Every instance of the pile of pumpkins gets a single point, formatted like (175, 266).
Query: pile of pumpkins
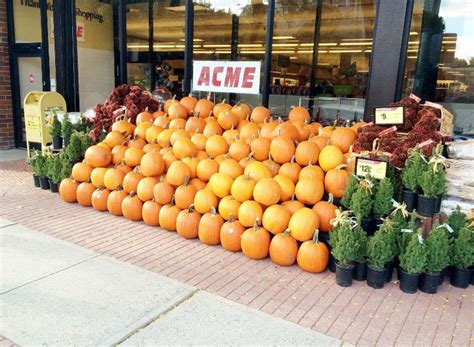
(228, 175)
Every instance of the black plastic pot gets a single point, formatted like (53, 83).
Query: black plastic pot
(376, 278)
(344, 275)
(442, 276)
(408, 282)
(472, 275)
(53, 187)
(332, 263)
(324, 237)
(460, 278)
(44, 182)
(369, 225)
(410, 198)
(439, 200)
(72, 162)
(360, 271)
(429, 283)
(57, 142)
(389, 271)
(36, 180)
(426, 206)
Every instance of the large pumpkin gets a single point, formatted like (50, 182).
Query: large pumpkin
(68, 190)
(168, 215)
(229, 207)
(313, 256)
(255, 242)
(309, 191)
(184, 194)
(275, 219)
(132, 207)
(152, 164)
(343, 138)
(150, 213)
(220, 184)
(282, 149)
(330, 157)
(283, 249)
(242, 188)
(298, 113)
(145, 188)
(230, 234)
(84, 193)
(249, 212)
(307, 152)
(114, 202)
(209, 228)
(187, 223)
(204, 200)
(81, 172)
(303, 223)
(326, 212)
(99, 199)
(267, 191)
(113, 178)
(336, 181)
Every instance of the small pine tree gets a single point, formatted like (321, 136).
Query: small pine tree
(463, 249)
(437, 247)
(414, 166)
(34, 163)
(405, 236)
(360, 244)
(383, 198)
(413, 259)
(457, 219)
(56, 164)
(345, 248)
(81, 125)
(66, 168)
(86, 142)
(55, 128)
(362, 201)
(350, 189)
(42, 165)
(66, 129)
(433, 181)
(379, 249)
(74, 149)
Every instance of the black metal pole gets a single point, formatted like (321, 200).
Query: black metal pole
(122, 22)
(151, 55)
(74, 67)
(188, 46)
(44, 46)
(268, 53)
(314, 64)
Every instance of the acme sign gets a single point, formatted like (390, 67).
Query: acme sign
(227, 76)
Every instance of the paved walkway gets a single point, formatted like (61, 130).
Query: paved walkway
(358, 315)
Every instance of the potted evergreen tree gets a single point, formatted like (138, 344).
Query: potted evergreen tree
(55, 132)
(383, 198)
(74, 150)
(81, 124)
(33, 161)
(333, 236)
(362, 203)
(349, 191)
(380, 251)
(55, 168)
(410, 178)
(457, 220)
(86, 142)
(66, 129)
(360, 261)
(345, 252)
(433, 184)
(412, 263)
(42, 162)
(462, 258)
(437, 254)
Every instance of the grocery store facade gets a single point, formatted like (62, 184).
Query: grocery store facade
(334, 56)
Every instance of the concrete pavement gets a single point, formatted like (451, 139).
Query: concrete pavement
(12, 154)
(56, 293)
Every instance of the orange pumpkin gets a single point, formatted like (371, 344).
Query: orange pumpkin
(84, 193)
(228, 119)
(195, 125)
(249, 131)
(177, 135)
(228, 207)
(267, 128)
(343, 138)
(321, 140)
(311, 172)
(307, 152)
(286, 129)
(286, 185)
(260, 147)
(118, 153)
(298, 113)
(136, 142)
(231, 168)
(99, 199)
(313, 256)
(303, 223)
(177, 172)
(178, 123)
(206, 168)
(168, 215)
(276, 218)
(124, 168)
(309, 191)
(330, 157)
(216, 145)
(272, 165)
(140, 131)
(326, 212)
(283, 249)
(204, 200)
(257, 170)
(187, 223)
(192, 163)
(260, 114)
(113, 178)
(114, 202)
(114, 138)
(203, 108)
(81, 172)
(209, 228)
(184, 148)
(220, 184)
(189, 102)
(230, 135)
(242, 188)
(150, 213)
(230, 234)
(152, 133)
(242, 110)
(249, 212)
(293, 205)
(133, 156)
(162, 121)
(255, 242)
(124, 127)
(97, 176)
(221, 107)
(163, 192)
(291, 170)
(212, 128)
(267, 192)
(199, 141)
(145, 188)
(98, 156)
(184, 194)
(198, 183)
(132, 207)
(239, 150)
(144, 117)
(177, 110)
(130, 181)
(282, 149)
(336, 181)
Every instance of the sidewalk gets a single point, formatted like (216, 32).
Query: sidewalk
(56, 293)
(357, 315)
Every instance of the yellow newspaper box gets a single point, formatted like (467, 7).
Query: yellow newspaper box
(39, 108)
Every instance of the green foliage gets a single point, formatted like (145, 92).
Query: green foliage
(403, 237)
(381, 248)
(361, 244)
(41, 164)
(55, 168)
(66, 128)
(74, 149)
(345, 248)
(433, 182)
(66, 168)
(81, 125)
(362, 201)
(350, 189)
(457, 220)
(437, 247)
(414, 166)
(463, 249)
(55, 127)
(34, 162)
(398, 220)
(394, 178)
(413, 259)
(86, 142)
(383, 198)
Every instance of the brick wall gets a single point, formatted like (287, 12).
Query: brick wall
(6, 112)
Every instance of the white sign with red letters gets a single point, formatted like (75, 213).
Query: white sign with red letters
(227, 76)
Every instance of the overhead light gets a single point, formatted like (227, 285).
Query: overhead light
(413, 33)
(195, 40)
(327, 44)
(346, 51)
(283, 37)
(286, 51)
(356, 43)
(412, 50)
(450, 50)
(412, 57)
(183, 8)
(285, 44)
(414, 42)
(252, 52)
(216, 46)
(293, 58)
(324, 64)
(366, 39)
(250, 45)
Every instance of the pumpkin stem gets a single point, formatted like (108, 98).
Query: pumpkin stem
(162, 179)
(293, 197)
(191, 208)
(247, 177)
(223, 101)
(292, 160)
(320, 132)
(280, 120)
(286, 232)
(231, 218)
(186, 181)
(341, 166)
(132, 194)
(316, 236)
(331, 198)
(213, 211)
(250, 156)
(174, 96)
(172, 202)
(119, 187)
(256, 224)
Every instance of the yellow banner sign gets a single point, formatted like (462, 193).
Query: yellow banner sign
(371, 167)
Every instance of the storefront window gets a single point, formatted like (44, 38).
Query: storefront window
(440, 57)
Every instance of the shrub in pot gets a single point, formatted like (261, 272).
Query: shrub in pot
(437, 259)
(42, 162)
(74, 150)
(54, 172)
(433, 184)
(462, 258)
(349, 191)
(383, 197)
(360, 263)
(410, 178)
(34, 163)
(379, 253)
(404, 234)
(66, 129)
(345, 252)
(55, 132)
(81, 125)
(412, 263)
(361, 205)
(457, 220)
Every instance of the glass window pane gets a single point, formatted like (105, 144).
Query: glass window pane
(440, 57)
(27, 19)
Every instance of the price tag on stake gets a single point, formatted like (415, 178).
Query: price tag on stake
(389, 115)
(371, 167)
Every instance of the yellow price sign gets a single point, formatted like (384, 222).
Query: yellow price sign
(371, 167)
(389, 115)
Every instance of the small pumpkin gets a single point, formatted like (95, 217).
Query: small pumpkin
(242, 110)
(286, 185)
(220, 184)
(212, 128)
(141, 129)
(178, 123)
(230, 234)
(307, 152)
(184, 194)
(177, 110)
(272, 165)
(145, 188)
(114, 201)
(199, 141)
(132, 207)
(133, 156)
(203, 108)
(81, 172)
(136, 142)
(189, 102)
(216, 145)
(99, 199)
(286, 129)
(198, 183)
(183, 148)
(230, 135)
(152, 164)
(249, 212)
(260, 114)
(313, 256)
(163, 192)
(206, 168)
(192, 163)
(195, 125)
(291, 170)
(326, 211)
(118, 153)
(293, 205)
(68, 190)
(239, 150)
(187, 223)
(228, 119)
(276, 218)
(330, 157)
(282, 149)
(228, 207)
(204, 200)
(242, 188)
(249, 132)
(255, 242)
(150, 213)
(84, 193)
(124, 127)
(114, 138)
(260, 147)
(267, 192)
(97, 176)
(257, 170)
(209, 228)
(336, 180)
(220, 107)
(177, 173)
(311, 172)
(144, 116)
(231, 168)
(152, 133)
(283, 249)
(130, 181)
(303, 223)
(168, 215)
(113, 178)
(298, 113)
(343, 138)
(168, 103)
(309, 191)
